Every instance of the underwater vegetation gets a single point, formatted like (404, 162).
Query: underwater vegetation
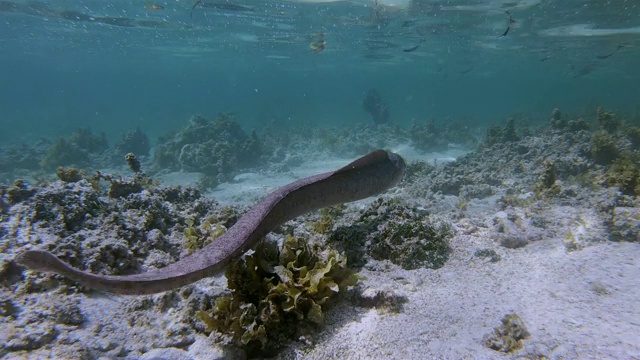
(624, 173)
(198, 236)
(276, 294)
(389, 230)
(603, 148)
(546, 184)
(559, 122)
(498, 135)
(69, 174)
(324, 225)
(217, 148)
(509, 336)
(74, 150)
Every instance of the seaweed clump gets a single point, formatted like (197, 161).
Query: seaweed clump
(69, 174)
(20, 191)
(75, 150)
(508, 337)
(277, 294)
(546, 184)
(201, 236)
(498, 135)
(603, 148)
(625, 174)
(327, 220)
(404, 235)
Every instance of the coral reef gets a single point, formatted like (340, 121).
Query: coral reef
(102, 234)
(547, 181)
(276, 293)
(508, 337)
(378, 109)
(217, 148)
(112, 224)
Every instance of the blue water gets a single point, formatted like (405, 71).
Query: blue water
(113, 66)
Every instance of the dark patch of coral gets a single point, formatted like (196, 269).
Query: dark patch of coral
(402, 234)
(217, 148)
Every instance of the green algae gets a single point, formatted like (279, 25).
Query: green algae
(276, 294)
(509, 336)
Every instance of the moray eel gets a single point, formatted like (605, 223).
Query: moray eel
(364, 177)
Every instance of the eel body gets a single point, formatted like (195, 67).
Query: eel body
(364, 177)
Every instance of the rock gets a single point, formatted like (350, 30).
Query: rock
(625, 224)
(28, 337)
(167, 354)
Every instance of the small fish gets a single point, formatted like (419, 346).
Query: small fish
(413, 48)
(602, 57)
(220, 6)
(194, 6)
(545, 58)
(318, 43)
(510, 22)
(408, 23)
(620, 46)
(149, 6)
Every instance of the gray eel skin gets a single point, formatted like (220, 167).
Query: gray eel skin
(364, 177)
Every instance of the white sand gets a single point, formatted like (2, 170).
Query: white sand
(579, 305)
